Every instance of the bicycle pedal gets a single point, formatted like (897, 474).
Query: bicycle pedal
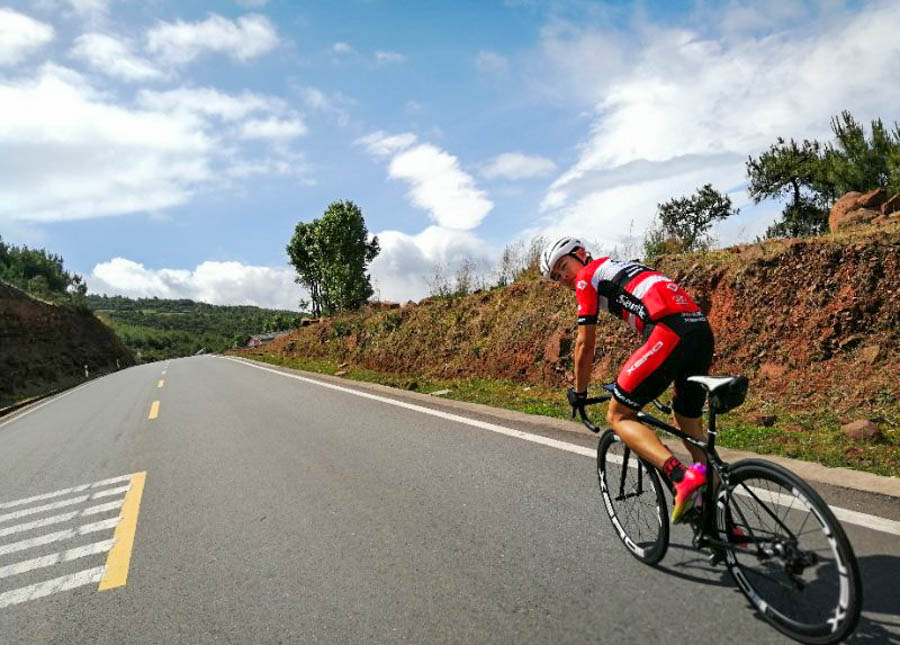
(716, 558)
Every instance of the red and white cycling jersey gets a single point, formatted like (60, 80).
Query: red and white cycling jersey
(628, 290)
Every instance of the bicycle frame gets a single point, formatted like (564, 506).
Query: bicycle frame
(707, 519)
(714, 526)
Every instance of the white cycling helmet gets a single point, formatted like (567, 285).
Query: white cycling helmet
(551, 255)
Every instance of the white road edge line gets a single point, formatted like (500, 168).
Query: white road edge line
(47, 402)
(846, 515)
(41, 589)
(865, 520)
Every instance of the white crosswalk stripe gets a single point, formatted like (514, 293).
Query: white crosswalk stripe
(59, 519)
(58, 536)
(65, 491)
(56, 558)
(42, 509)
(41, 589)
(38, 512)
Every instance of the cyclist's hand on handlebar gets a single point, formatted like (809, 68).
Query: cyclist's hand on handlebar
(576, 399)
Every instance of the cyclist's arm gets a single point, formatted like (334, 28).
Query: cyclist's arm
(584, 355)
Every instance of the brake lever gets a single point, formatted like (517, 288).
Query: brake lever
(586, 421)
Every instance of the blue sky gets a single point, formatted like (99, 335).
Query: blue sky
(169, 148)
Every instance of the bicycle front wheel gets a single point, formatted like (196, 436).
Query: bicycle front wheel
(790, 555)
(634, 499)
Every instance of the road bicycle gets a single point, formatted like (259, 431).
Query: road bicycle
(779, 540)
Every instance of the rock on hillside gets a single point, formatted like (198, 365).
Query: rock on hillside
(811, 321)
(854, 209)
(44, 346)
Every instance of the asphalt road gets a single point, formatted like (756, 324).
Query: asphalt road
(279, 511)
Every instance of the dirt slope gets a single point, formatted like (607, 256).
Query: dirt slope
(813, 322)
(44, 346)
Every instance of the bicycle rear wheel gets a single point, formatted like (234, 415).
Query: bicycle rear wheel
(791, 557)
(634, 499)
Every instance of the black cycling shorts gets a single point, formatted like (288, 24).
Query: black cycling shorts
(675, 347)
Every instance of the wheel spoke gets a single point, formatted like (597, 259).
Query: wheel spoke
(799, 593)
(635, 494)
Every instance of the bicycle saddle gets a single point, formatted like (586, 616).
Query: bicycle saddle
(725, 392)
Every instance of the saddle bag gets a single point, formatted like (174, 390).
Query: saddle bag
(729, 396)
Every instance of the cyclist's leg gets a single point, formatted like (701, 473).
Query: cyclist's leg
(694, 428)
(646, 374)
(697, 346)
(636, 435)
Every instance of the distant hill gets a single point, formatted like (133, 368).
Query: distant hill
(158, 328)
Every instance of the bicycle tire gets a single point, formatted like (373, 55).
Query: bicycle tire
(640, 516)
(760, 569)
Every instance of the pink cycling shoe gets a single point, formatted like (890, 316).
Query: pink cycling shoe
(686, 491)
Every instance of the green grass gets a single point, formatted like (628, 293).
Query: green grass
(816, 436)
(811, 435)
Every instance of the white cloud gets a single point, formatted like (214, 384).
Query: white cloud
(439, 186)
(617, 217)
(92, 11)
(219, 283)
(407, 262)
(677, 108)
(319, 101)
(382, 144)
(758, 15)
(273, 128)
(113, 57)
(388, 57)
(21, 36)
(278, 167)
(577, 64)
(209, 102)
(243, 39)
(437, 183)
(516, 165)
(488, 61)
(342, 48)
(70, 154)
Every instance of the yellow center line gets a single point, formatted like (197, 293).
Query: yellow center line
(116, 572)
(161, 381)
(154, 410)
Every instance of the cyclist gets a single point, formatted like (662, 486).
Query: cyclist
(678, 343)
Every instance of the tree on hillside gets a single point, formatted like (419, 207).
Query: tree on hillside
(304, 255)
(854, 162)
(280, 322)
(39, 273)
(794, 171)
(683, 223)
(331, 255)
(811, 175)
